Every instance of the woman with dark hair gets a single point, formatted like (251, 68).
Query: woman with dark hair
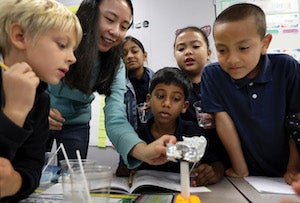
(99, 68)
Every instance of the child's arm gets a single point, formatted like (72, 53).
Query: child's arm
(230, 139)
(293, 167)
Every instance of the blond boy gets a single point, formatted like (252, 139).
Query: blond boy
(37, 41)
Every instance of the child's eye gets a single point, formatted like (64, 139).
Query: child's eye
(180, 48)
(134, 51)
(176, 99)
(221, 51)
(61, 45)
(196, 46)
(244, 48)
(160, 96)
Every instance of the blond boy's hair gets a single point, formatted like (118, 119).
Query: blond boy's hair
(36, 17)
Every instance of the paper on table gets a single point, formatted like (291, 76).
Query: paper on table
(55, 189)
(269, 184)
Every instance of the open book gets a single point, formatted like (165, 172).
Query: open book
(149, 181)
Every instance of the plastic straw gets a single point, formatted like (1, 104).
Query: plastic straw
(51, 158)
(66, 156)
(83, 175)
(191, 170)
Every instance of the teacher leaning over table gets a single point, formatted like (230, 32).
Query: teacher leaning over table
(99, 68)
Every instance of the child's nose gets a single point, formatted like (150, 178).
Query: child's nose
(233, 59)
(167, 102)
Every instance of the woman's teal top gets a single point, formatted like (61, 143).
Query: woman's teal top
(75, 107)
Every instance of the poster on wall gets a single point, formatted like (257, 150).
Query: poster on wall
(283, 22)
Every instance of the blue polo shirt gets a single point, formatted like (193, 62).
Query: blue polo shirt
(258, 108)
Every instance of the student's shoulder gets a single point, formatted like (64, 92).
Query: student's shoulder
(214, 67)
(283, 64)
(282, 58)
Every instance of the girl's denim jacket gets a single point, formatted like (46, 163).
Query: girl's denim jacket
(130, 100)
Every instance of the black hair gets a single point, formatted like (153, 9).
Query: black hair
(171, 75)
(196, 29)
(242, 11)
(87, 53)
(135, 40)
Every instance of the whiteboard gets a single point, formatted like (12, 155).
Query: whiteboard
(283, 22)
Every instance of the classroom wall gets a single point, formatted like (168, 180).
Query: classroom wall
(155, 23)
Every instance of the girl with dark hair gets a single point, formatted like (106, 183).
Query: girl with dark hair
(99, 68)
(138, 77)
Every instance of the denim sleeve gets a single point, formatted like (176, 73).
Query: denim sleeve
(118, 129)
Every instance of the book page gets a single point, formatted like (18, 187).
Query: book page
(269, 184)
(119, 185)
(167, 180)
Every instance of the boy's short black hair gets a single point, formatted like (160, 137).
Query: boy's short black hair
(171, 75)
(242, 11)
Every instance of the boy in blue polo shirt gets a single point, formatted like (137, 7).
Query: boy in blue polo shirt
(251, 93)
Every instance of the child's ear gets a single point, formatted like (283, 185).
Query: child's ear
(185, 106)
(266, 42)
(145, 56)
(148, 97)
(17, 35)
(208, 55)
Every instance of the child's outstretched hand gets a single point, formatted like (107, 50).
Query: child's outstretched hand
(19, 84)
(207, 174)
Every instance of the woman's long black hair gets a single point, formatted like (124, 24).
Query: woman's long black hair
(87, 53)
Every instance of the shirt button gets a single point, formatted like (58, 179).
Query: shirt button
(251, 83)
(254, 96)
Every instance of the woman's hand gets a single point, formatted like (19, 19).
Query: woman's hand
(155, 152)
(55, 120)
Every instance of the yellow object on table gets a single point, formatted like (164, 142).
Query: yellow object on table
(192, 199)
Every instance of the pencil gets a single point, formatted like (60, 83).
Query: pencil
(130, 179)
(2, 65)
